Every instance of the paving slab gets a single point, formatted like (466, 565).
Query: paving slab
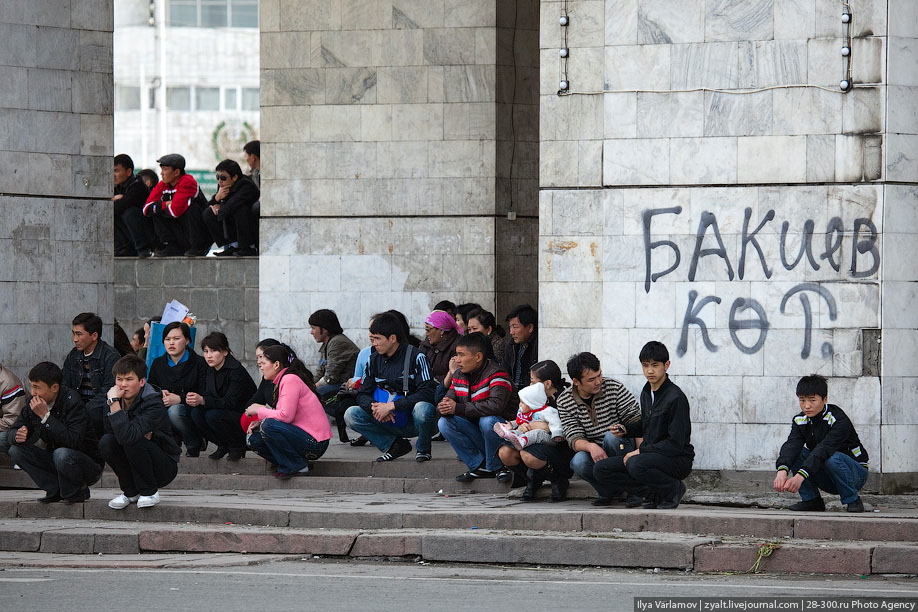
(789, 558)
(139, 561)
(895, 559)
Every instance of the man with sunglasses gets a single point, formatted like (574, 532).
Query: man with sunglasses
(230, 219)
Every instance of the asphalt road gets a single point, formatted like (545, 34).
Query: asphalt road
(327, 585)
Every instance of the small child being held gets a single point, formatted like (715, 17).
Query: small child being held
(536, 421)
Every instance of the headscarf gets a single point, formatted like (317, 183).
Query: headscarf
(443, 321)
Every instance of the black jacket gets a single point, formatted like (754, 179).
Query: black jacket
(67, 427)
(519, 377)
(180, 379)
(243, 193)
(264, 395)
(387, 373)
(146, 415)
(134, 194)
(665, 424)
(438, 355)
(829, 432)
(101, 360)
(228, 388)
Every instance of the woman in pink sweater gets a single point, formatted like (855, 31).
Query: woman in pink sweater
(297, 431)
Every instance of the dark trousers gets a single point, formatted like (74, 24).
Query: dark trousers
(220, 426)
(142, 467)
(133, 232)
(241, 227)
(64, 471)
(645, 474)
(186, 232)
(336, 409)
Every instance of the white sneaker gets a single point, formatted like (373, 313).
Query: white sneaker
(121, 502)
(148, 501)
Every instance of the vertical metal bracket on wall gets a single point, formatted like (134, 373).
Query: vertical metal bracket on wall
(847, 17)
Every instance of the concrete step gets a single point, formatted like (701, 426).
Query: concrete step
(594, 548)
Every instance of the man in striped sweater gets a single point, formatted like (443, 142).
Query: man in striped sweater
(479, 396)
(12, 399)
(588, 411)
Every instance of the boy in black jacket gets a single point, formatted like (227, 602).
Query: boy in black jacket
(70, 461)
(138, 441)
(664, 458)
(384, 413)
(823, 450)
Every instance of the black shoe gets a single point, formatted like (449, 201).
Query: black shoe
(361, 441)
(672, 500)
(168, 251)
(650, 503)
(49, 498)
(422, 457)
(601, 501)
(227, 251)
(144, 253)
(519, 478)
(855, 506)
(476, 474)
(532, 486)
(190, 453)
(236, 455)
(220, 453)
(810, 505)
(249, 252)
(633, 501)
(400, 447)
(504, 475)
(437, 437)
(193, 252)
(559, 488)
(79, 498)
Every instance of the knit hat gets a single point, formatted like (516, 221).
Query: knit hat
(534, 396)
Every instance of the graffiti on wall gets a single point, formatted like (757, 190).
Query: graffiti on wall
(749, 314)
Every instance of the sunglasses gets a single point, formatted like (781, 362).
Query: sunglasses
(222, 177)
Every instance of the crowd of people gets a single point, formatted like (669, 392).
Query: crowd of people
(505, 413)
(173, 216)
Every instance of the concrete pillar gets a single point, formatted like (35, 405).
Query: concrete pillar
(55, 174)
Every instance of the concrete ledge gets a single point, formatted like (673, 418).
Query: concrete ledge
(856, 527)
(20, 538)
(805, 558)
(248, 540)
(895, 559)
(399, 544)
(174, 513)
(681, 522)
(68, 541)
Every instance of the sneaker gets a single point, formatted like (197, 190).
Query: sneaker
(400, 447)
(144, 253)
(121, 502)
(196, 252)
(289, 475)
(475, 474)
(633, 501)
(79, 498)
(168, 251)
(249, 252)
(220, 453)
(227, 252)
(855, 506)
(49, 498)
(601, 501)
(650, 503)
(148, 501)
(504, 475)
(421, 457)
(672, 500)
(504, 431)
(810, 505)
(438, 437)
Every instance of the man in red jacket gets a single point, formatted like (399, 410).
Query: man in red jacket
(173, 204)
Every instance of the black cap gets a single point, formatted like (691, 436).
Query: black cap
(173, 160)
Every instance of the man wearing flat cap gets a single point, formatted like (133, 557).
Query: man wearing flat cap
(175, 205)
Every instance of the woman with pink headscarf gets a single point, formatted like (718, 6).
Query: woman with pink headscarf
(439, 346)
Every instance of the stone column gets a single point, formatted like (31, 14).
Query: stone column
(703, 146)
(384, 137)
(55, 174)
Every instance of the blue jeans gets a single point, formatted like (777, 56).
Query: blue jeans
(65, 471)
(286, 445)
(840, 475)
(326, 391)
(382, 436)
(475, 443)
(180, 417)
(582, 463)
(6, 440)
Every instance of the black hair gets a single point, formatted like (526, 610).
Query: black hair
(253, 148)
(216, 341)
(388, 324)
(288, 359)
(549, 370)
(477, 342)
(47, 373)
(130, 364)
(814, 384)
(90, 321)
(327, 320)
(580, 363)
(124, 161)
(463, 310)
(654, 351)
(230, 167)
(121, 341)
(263, 344)
(156, 319)
(487, 319)
(186, 331)
(140, 333)
(526, 314)
(147, 173)
(446, 306)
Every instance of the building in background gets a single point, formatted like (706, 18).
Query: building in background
(186, 81)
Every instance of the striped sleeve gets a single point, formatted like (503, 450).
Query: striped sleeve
(8, 396)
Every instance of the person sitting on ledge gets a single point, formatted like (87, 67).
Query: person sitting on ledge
(230, 217)
(138, 442)
(227, 388)
(523, 352)
(439, 345)
(176, 205)
(87, 367)
(52, 440)
(337, 355)
(396, 395)
(296, 431)
(483, 321)
(664, 458)
(823, 451)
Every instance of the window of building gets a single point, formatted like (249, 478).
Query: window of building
(127, 98)
(207, 98)
(250, 98)
(178, 98)
(230, 98)
(212, 13)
